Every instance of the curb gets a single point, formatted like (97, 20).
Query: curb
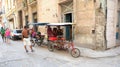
(86, 52)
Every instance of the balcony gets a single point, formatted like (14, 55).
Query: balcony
(32, 2)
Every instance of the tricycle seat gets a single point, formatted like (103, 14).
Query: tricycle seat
(52, 38)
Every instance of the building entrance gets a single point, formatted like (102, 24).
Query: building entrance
(20, 20)
(67, 16)
(35, 21)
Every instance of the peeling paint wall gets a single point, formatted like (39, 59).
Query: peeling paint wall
(47, 12)
(100, 25)
(91, 23)
(84, 13)
(118, 20)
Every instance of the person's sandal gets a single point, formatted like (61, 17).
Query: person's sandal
(32, 50)
(26, 50)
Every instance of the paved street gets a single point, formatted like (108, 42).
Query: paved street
(14, 55)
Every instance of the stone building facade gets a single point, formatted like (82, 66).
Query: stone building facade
(95, 19)
(9, 17)
(0, 13)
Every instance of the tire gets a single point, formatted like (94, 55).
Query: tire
(50, 46)
(58, 47)
(38, 43)
(41, 42)
(75, 52)
(32, 42)
(13, 38)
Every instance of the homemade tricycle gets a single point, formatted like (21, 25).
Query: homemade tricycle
(60, 42)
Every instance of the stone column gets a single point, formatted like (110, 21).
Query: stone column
(30, 16)
(100, 29)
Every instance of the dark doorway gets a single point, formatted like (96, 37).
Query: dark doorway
(118, 27)
(20, 19)
(35, 21)
(68, 18)
(26, 21)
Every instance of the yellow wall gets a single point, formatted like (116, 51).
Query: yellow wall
(47, 12)
(85, 23)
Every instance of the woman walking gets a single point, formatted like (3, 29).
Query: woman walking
(2, 31)
(7, 35)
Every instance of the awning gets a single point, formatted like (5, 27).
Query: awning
(60, 24)
(42, 24)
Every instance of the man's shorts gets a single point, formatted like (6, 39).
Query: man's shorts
(26, 41)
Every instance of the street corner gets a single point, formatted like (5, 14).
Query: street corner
(86, 52)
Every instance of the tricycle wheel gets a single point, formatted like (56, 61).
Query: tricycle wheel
(32, 42)
(75, 52)
(38, 43)
(50, 46)
(41, 42)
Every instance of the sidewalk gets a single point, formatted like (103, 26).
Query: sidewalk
(86, 52)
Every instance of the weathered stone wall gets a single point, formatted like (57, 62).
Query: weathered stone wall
(47, 10)
(111, 23)
(118, 5)
(100, 28)
(19, 7)
(84, 13)
(100, 25)
(118, 20)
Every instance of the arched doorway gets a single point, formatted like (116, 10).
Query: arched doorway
(67, 16)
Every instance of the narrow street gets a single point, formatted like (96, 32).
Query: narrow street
(14, 55)
(92, 26)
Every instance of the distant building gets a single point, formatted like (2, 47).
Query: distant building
(0, 12)
(9, 17)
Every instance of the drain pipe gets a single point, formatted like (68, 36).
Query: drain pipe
(105, 35)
